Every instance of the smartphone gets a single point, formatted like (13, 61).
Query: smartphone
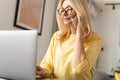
(75, 21)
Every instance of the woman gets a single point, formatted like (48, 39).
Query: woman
(73, 49)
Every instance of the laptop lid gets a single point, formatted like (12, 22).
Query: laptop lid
(18, 49)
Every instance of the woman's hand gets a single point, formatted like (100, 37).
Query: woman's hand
(41, 72)
(79, 52)
(80, 27)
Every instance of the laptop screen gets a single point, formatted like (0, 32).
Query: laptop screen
(18, 49)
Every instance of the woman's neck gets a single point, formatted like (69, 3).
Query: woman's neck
(72, 29)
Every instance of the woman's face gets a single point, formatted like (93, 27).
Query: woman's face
(66, 12)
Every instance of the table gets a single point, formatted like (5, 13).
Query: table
(112, 77)
(47, 79)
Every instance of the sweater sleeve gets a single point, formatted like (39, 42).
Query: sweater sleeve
(47, 61)
(92, 51)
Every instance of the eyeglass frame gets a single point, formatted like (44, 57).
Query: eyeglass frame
(66, 10)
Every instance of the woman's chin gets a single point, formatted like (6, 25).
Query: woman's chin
(67, 22)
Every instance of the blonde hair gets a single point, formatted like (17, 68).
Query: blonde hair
(81, 8)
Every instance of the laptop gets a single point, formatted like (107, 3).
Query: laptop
(18, 49)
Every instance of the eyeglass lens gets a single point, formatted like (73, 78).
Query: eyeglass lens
(62, 11)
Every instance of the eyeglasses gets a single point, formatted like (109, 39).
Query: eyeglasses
(67, 10)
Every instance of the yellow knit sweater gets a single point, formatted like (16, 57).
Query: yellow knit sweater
(57, 59)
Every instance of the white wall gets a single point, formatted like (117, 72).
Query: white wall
(7, 12)
(108, 26)
(7, 8)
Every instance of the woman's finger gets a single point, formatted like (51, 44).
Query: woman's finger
(38, 68)
(38, 72)
(37, 76)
